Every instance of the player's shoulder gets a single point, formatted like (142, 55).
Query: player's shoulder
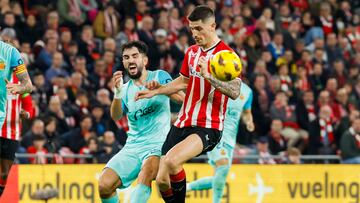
(162, 76)
(223, 46)
(5, 45)
(193, 48)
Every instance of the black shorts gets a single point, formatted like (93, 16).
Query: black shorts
(210, 137)
(8, 148)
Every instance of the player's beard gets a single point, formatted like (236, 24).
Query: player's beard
(137, 75)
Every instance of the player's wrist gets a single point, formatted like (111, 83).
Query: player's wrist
(117, 93)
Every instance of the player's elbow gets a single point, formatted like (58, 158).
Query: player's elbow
(234, 95)
(115, 116)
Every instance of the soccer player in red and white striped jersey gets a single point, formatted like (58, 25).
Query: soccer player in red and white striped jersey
(17, 107)
(201, 118)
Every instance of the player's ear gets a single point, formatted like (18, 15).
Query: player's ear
(145, 60)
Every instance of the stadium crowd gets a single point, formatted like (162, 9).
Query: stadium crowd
(300, 57)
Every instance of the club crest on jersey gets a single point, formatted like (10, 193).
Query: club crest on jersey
(242, 97)
(193, 71)
(2, 65)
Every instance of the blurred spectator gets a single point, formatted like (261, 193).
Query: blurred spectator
(40, 92)
(261, 104)
(32, 31)
(52, 20)
(44, 59)
(87, 44)
(70, 14)
(350, 144)
(81, 135)
(55, 110)
(56, 68)
(38, 148)
(106, 22)
(252, 48)
(321, 131)
(127, 33)
(37, 128)
(52, 136)
(280, 109)
(276, 46)
(305, 110)
(91, 148)
(103, 97)
(108, 147)
(98, 77)
(262, 148)
(177, 51)
(100, 122)
(318, 78)
(90, 7)
(277, 142)
(293, 156)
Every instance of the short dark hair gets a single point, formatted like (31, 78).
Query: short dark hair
(141, 46)
(202, 13)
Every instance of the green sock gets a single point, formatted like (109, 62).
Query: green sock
(219, 182)
(113, 199)
(141, 194)
(200, 184)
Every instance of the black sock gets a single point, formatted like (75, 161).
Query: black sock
(168, 196)
(179, 189)
(2, 188)
(178, 184)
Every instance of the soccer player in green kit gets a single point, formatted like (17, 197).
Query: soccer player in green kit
(10, 62)
(221, 156)
(149, 123)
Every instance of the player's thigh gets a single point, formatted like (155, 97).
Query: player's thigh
(190, 147)
(126, 164)
(149, 170)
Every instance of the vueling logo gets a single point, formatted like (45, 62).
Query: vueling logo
(2, 65)
(143, 112)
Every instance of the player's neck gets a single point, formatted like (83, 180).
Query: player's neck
(212, 42)
(141, 81)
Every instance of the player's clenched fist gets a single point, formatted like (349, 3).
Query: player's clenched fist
(118, 83)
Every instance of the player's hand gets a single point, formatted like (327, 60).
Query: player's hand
(203, 64)
(152, 85)
(13, 88)
(144, 94)
(118, 80)
(250, 126)
(24, 114)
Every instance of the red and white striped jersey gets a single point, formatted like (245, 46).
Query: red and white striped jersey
(12, 126)
(204, 106)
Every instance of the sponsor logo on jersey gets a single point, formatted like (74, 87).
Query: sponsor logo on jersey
(143, 112)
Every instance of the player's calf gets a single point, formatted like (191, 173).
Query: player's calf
(108, 182)
(219, 182)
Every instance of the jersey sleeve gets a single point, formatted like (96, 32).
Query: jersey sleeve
(249, 101)
(16, 63)
(185, 65)
(164, 77)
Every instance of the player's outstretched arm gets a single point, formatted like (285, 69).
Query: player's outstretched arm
(176, 97)
(179, 84)
(116, 111)
(230, 89)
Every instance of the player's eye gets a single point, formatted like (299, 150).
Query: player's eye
(125, 57)
(135, 55)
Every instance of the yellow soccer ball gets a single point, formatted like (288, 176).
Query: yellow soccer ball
(225, 65)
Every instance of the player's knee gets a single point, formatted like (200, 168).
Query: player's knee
(105, 187)
(171, 163)
(161, 181)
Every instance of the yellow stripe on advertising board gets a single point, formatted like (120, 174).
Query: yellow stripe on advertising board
(245, 184)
